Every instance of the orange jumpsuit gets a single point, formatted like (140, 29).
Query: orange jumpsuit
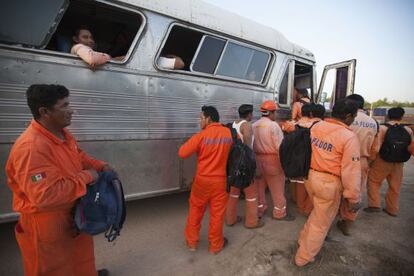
(267, 138)
(90, 56)
(212, 146)
(302, 198)
(366, 129)
(297, 108)
(335, 173)
(381, 170)
(47, 175)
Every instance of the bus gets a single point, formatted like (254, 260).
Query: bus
(133, 113)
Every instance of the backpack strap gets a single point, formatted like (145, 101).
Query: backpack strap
(314, 123)
(115, 229)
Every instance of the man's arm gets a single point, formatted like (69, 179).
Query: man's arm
(42, 182)
(90, 56)
(351, 170)
(191, 146)
(89, 162)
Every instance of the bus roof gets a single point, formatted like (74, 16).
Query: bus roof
(209, 16)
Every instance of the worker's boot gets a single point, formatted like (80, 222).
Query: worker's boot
(344, 226)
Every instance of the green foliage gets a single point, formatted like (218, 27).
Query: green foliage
(386, 102)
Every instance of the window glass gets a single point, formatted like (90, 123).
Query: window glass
(30, 23)
(243, 63)
(283, 91)
(208, 55)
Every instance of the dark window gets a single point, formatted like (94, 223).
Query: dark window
(30, 23)
(283, 91)
(208, 55)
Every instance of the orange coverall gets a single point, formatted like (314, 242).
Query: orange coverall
(267, 138)
(366, 130)
(90, 56)
(381, 170)
(212, 146)
(335, 173)
(297, 108)
(302, 198)
(47, 175)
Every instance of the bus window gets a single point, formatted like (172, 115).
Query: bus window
(328, 90)
(243, 62)
(30, 23)
(303, 78)
(283, 91)
(208, 55)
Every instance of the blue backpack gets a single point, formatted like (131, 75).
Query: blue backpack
(102, 209)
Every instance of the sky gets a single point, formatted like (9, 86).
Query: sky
(378, 33)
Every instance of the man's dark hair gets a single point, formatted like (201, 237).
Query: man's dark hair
(44, 95)
(76, 31)
(358, 99)
(318, 111)
(344, 107)
(396, 113)
(307, 109)
(245, 110)
(211, 111)
(303, 92)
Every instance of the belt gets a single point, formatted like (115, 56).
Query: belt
(324, 172)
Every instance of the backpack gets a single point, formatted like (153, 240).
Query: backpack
(102, 209)
(295, 152)
(241, 163)
(395, 146)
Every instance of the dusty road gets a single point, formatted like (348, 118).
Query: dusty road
(152, 244)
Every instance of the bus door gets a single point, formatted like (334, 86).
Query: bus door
(337, 82)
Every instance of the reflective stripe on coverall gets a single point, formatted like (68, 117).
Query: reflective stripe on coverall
(335, 172)
(212, 146)
(381, 170)
(251, 200)
(268, 137)
(47, 175)
(366, 130)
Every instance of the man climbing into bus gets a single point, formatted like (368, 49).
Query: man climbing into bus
(393, 148)
(47, 172)
(366, 130)
(267, 139)
(212, 146)
(300, 97)
(335, 173)
(244, 129)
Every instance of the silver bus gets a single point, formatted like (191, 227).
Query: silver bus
(133, 113)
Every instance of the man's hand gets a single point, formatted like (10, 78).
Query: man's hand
(94, 174)
(354, 207)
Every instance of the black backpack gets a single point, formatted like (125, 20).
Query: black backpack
(241, 163)
(295, 152)
(395, 146)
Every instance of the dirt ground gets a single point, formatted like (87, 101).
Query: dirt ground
(152, 243)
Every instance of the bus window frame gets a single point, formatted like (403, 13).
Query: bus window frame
(132, 47)
(266, 75)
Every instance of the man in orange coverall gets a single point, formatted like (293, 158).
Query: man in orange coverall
(381, 170)
(244, 130)
(335, 172)
(366, 130)
(267, 139)
(301, 97)
(47, 172)
(311, 113)
(212, 145)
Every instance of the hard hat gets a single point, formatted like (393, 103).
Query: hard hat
(268, 106)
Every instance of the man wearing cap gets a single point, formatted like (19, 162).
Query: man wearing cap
(244, 130)
(267, 139)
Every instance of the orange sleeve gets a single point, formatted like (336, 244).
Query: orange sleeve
(351, 170)
(90, 162)
(191, 146)
(90, 56)
(41, 180)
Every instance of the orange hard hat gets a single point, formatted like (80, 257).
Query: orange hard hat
(268, 106)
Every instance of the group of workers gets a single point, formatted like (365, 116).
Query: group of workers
(47, 172)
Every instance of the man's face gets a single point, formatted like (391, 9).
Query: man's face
(60, 115)
(203, 121)
(85, 37)
(272, 115)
